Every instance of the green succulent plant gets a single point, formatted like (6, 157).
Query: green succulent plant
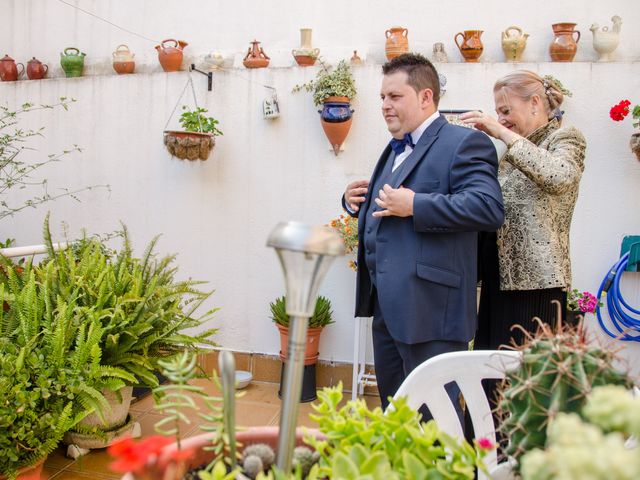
(371, 444)
(591, 447)
(322, 313)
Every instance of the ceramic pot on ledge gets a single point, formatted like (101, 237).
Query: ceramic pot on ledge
(72, 62)
(9, 71)
(605, 41)
(397, 42)
(170, 54)
(255, 57)
(123, 62)
(564, 46)
(306, 55)
(470, 46)
(36, 70)
(513, 42)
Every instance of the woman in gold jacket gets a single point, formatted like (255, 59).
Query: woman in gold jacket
(526, 263)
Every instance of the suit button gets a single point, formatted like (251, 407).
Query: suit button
(368, 251)
(368, 230)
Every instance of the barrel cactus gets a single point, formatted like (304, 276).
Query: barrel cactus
(558, 370)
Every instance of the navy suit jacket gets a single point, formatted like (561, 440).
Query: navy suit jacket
(426, 264)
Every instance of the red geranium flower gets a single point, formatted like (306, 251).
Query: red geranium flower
(620, 111)
(133, 457)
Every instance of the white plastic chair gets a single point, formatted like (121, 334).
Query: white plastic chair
(425, 385)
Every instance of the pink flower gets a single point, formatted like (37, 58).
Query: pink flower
(485, 444)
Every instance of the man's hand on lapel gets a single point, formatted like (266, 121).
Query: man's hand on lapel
(355, 194)
(394, 201)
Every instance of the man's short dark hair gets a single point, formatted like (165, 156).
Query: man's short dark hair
(420, 72)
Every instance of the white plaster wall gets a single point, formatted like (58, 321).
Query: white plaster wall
(217, 214)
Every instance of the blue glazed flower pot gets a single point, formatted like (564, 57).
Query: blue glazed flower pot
(334, 111)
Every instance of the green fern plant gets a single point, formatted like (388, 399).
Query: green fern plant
(51, 375)
(142, 309)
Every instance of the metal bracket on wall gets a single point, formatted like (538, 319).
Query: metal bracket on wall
(631, 244)
(209, 76)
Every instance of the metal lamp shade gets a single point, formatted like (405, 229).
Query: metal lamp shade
(305, 253)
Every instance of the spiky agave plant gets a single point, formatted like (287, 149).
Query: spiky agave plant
(559, 368)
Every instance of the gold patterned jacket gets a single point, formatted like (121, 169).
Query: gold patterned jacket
(539, 177)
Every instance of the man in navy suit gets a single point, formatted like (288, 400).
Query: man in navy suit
(434, 187)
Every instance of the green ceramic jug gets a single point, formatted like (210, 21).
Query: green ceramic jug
(72, 62)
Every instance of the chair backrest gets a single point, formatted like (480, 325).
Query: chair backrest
(426, 385)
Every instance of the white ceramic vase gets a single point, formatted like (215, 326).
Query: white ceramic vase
(605, 41)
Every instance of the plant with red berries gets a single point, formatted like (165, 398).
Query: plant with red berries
(621, 110)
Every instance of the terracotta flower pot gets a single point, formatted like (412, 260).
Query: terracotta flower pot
(32, 472)
(312, 350)
(336, 119)
(250, 436)
(189, 145)
(635, 144)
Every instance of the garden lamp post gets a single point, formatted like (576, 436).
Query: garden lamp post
(305, 252)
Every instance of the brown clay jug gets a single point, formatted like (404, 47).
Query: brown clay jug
(170, 54)
(255, 57)
(564, 47)
(397, 42)
(9, 71)
(36, 70)
(470, 46)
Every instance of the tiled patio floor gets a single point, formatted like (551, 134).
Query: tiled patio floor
(260, 405)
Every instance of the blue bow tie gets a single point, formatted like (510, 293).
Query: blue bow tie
(398, 146)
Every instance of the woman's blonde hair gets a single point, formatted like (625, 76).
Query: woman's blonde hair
(525, 84)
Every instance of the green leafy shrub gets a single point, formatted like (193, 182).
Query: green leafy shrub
(197, 121)
(322, 313)
(338, 82)
(141, 308)
(50, 371)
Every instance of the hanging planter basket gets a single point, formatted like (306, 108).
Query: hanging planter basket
(189, 145)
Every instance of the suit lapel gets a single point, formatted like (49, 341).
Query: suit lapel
(426, 140)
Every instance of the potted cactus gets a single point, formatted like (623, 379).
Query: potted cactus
(198, 137)
(559, 370)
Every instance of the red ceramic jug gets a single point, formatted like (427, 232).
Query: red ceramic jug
(170, 54)
(9, 69)
(36, 70)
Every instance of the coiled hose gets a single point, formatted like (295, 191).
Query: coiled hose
(624, 318)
